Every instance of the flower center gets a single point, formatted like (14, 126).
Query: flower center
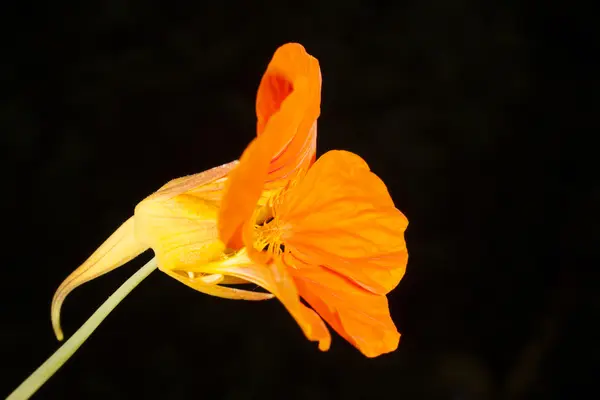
(269, 237)
(269, 230)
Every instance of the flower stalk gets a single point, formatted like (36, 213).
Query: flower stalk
(52, 364)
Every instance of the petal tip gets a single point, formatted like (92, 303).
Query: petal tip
(387, 345)
(56, 323)
(325, 344)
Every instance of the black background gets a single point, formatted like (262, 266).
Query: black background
(476, 116)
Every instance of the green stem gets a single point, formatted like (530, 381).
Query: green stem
(48, 368)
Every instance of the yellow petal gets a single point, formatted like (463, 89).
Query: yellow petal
(144, 230)
(118, 249)
(179, 221)
(181, 230)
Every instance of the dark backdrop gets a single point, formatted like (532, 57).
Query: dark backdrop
(474, 115)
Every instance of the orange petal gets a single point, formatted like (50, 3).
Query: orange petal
(276, 279)
(290, 69)
(341, 216)
(361, 317)
(287, 107)
(118, 249)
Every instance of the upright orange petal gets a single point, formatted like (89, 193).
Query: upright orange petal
(341, 216)
(287, 107)
(290, 69)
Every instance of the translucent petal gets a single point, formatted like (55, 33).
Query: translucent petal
(208, 185)
(217, 290)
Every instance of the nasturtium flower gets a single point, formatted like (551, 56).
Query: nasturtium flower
(334, 238)
(325, 231)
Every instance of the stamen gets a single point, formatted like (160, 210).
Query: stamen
(269, 237)
(268, 229)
